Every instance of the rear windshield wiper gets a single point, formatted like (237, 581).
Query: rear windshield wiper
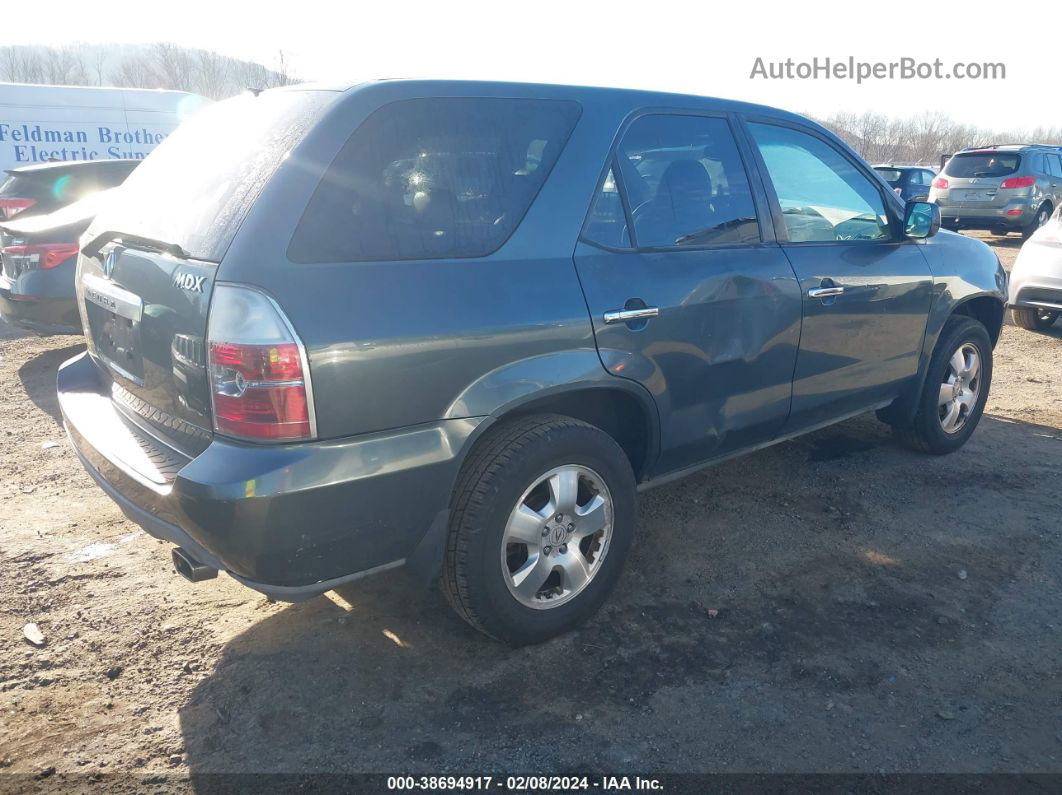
(103, 238)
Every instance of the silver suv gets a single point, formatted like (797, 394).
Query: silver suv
(1004, 188)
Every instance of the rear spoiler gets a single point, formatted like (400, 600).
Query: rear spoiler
(93, 247)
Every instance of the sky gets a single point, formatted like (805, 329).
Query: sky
(697, 47)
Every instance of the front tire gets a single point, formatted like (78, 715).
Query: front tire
(542, 518)
(1033, 319)
(955, 391)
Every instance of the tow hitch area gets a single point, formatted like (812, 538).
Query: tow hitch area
(190, 568)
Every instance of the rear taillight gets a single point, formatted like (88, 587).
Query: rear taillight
(259, 377)
(42, 256)
(941, 183)
(9, 208)
(1017, 182)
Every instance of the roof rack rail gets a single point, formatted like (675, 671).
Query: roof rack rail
(1000, 146)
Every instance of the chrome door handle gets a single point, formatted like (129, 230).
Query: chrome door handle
(625, 315)
(825, 292)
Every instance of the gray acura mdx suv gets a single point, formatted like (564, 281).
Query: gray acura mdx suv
(457, 326)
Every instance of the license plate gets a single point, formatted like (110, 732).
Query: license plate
(976, 195)
(114, 316)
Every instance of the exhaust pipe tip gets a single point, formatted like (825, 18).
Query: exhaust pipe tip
(190, 568)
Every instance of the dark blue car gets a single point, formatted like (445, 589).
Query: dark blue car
(910, 183)
(456, 327)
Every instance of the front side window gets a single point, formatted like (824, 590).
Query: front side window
(684, 183)
(823, 196)
(433, 177)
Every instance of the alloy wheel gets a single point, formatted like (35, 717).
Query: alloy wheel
(557, 537)
(960, 388)
(1046, 317)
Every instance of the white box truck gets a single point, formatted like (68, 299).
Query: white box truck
(39, 124)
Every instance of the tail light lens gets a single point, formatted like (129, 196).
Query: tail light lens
(9, 208)
(1017, 182)
(941, 183)
(40, 257)
(259, 376)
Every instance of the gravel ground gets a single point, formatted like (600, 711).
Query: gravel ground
(877, 610)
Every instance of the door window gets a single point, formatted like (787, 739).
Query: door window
(684, 184)
(823, 196)
(1054, 166)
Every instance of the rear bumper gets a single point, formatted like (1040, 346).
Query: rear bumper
(40, 313)
(291, 521)
(955, 216)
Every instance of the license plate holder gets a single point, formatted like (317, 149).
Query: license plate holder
(977, 196)
(114, 316)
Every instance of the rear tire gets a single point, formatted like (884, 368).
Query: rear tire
(953, 398)
(520, 471)
(1033, 319)
(1042, 215)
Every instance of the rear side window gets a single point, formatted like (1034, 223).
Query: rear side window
(432, 178)
(982, 164)
(891, 175)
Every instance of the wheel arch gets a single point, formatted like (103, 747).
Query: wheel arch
(987, 308)
(572, 384)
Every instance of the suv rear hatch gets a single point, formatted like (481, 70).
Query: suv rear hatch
(976, 179)
(150, 259)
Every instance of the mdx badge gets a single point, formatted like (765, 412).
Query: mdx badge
(189, 282)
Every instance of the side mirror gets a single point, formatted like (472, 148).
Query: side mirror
(921, 219)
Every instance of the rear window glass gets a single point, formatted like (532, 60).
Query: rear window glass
(195, 188)
(53, 188)
(983, 164)
(891, 175)
(432, 178)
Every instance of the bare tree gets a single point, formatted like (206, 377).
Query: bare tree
(63, 66)
(159, 65)
(173, 66)
(23, 65)
(135, 71)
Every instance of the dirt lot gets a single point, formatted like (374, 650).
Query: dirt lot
(877, 611)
